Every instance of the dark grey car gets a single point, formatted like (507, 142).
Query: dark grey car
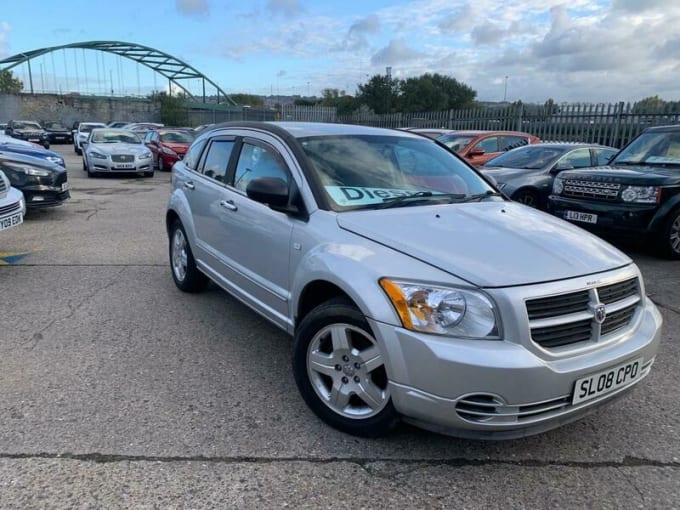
(526, 174)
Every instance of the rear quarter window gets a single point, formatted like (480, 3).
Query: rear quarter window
(194, 154)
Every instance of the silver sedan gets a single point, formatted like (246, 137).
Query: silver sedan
(115, 151)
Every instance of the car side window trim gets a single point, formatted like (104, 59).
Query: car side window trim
(200, 167)
(236, 154)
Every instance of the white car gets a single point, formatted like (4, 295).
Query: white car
(81, 134)
(12, 205)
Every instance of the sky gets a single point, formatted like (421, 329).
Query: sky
(530, 50)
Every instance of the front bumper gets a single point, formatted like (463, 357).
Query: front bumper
(630, 220)
(38, 197)
(106, 165)
(434, 379)
(60, 137)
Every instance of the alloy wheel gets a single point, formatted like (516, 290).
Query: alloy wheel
(347, 371)
(179, 255)
(674, 235)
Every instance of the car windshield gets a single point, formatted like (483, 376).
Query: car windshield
(531, 157)
(176, 137)
(54, 125)
(653, 148)
(366, 171)
(86, 128)
(26, 125)
(103, 136)
(456, 142)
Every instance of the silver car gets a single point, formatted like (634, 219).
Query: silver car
(413, 290)
(115, 151)
(12, 204)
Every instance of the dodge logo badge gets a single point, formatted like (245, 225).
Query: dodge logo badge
(600, 313)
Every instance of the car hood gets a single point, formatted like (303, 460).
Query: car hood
(504, 174)
(119, 148)
(627, 174)
(15, 157)
(28, 131)
(489, 244)
(29, 150)
(180, 148)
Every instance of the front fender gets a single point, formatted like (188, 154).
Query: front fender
(357, 269)
(662, 213)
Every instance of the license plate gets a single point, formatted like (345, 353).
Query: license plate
(606, 381)
(64, 186)
(580, 216)
(124, 165)
(34, 139)
(11, 221)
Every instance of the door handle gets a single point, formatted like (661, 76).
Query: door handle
(229, 204)
(189, 185)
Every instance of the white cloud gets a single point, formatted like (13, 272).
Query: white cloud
(5, 29)
(196, 8)
(396, 52)
(285, 8)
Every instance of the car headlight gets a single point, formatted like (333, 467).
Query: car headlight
(640, 194)
(447, 311)
(145, 155)
(29, 170)
(558, 186)
(55, 159)
(96, 155)
(168, 150)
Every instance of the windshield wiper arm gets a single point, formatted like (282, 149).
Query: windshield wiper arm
(480, 196)
(395, 201)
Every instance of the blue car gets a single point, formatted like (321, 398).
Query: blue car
(12, 145)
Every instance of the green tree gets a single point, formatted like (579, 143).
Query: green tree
(380, 94)
(247, 99)
(174, 111)
(434, 92)
(652, 104)
(344, 104)
(9, 84)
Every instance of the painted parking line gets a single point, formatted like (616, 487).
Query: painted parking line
(7, 258)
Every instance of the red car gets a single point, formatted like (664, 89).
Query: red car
(478, 147)
(168, 146)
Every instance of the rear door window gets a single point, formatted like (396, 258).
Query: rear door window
(489, 144)
(217, 159)
(193, 155)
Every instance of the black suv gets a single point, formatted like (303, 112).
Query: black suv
(29, 131)
(57, 132)
(637, 195)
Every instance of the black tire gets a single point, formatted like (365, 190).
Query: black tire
(79, 152)
(148, 174)
(192, 280)
(91, 174)
(75, 149)
(161, 165)
(85, 165)
(668, 239)
(334, 312)
(46, 145)
(528, 198)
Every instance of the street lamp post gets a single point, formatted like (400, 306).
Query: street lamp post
(505, 91)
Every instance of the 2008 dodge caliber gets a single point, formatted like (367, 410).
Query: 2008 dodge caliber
(413, 289)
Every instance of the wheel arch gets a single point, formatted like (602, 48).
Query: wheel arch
(316, 292)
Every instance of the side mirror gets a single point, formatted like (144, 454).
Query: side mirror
(560, 167)
(476, 152)
(269, 190)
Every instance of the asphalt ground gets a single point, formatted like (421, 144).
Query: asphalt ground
(119, 391)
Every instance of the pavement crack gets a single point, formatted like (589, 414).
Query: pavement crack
(667, 307)
(366, 464)
(36, 337)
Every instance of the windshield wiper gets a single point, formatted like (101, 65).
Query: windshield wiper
(393, 202)
(479, 196)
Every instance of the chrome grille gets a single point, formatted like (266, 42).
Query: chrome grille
(591, 189)
(10, 208)
(571, 318)
(123, 158)
(618, 320)
(3, 186)
(558, 305)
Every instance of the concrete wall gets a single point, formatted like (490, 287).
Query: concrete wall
(68, 109)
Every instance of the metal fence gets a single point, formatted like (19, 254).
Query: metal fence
(198, 115)
(608, 124)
